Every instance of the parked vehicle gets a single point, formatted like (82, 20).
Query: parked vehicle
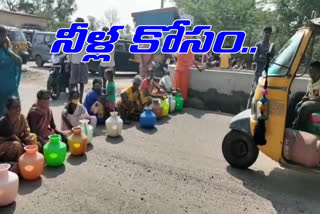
(58, 80)
(41, 46)
(29, 34)
(124, 60)
(264, 127)
(18, 42)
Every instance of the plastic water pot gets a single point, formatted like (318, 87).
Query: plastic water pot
(55, 151)
(114, 125)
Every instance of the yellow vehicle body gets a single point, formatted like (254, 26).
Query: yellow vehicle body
(278, 88)
(19, 42)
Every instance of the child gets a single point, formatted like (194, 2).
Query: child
(111, 91)
(74, 112)
(310, 103)
(93, 100)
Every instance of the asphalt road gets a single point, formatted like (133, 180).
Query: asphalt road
(176, 168)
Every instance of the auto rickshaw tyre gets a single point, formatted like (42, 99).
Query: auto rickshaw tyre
(239, 150)
(24, 60)
(39, 61)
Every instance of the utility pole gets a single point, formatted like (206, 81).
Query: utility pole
(162, 3)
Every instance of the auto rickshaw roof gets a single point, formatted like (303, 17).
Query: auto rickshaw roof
(10, 27)
(316, 21)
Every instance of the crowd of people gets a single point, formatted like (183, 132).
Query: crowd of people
(16, 130)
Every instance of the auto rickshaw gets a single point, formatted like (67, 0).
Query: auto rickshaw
(263, 127)
(19, 43)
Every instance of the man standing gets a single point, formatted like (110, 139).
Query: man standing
(260, 59)
(79, 70)
(106, 65)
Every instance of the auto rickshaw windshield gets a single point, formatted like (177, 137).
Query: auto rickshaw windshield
(281, 64)
(16, 36)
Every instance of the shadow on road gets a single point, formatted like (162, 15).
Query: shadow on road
(100, 130)
(90, 147)
(289, 191)
(53, 172)
(146, 131)
(164, 121)
(44, 68)
(27, 187)
(63, 99)
(200, 113)
(76, 160)
(10, 209)
(114, 140)
(129, 126)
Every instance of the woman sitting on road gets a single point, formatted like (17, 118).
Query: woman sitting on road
(131, 104)
(14, 134)
(149, 88)
(94, 100)
(74, 112)
(40, 119)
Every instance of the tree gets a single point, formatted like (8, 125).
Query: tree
(111, 17)
(11, 5)
(285, 16)
(128, 30)
(94, 24)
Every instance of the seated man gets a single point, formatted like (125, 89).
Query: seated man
(131, 104)
(41, 120)
(310, 103)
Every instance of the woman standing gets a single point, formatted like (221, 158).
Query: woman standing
(10, 70)
(182, 74)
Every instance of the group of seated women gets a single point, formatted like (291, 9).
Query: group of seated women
(16, 130)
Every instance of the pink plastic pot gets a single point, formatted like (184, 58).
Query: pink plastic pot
(9, 184)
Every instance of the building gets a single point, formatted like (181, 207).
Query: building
(163, 16)
(22, 20)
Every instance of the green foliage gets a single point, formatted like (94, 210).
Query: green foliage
(285, 16)
(58, 11)
(94, 24)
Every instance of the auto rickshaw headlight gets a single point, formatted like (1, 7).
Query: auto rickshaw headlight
(262, 109)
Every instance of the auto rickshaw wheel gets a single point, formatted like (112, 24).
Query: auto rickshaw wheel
(24, 60)
(239, 150)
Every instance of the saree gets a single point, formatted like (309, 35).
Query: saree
(10, 74)
(182, 74)
(13, 137)
(136, 101)
(41, 121)
(146, 63)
